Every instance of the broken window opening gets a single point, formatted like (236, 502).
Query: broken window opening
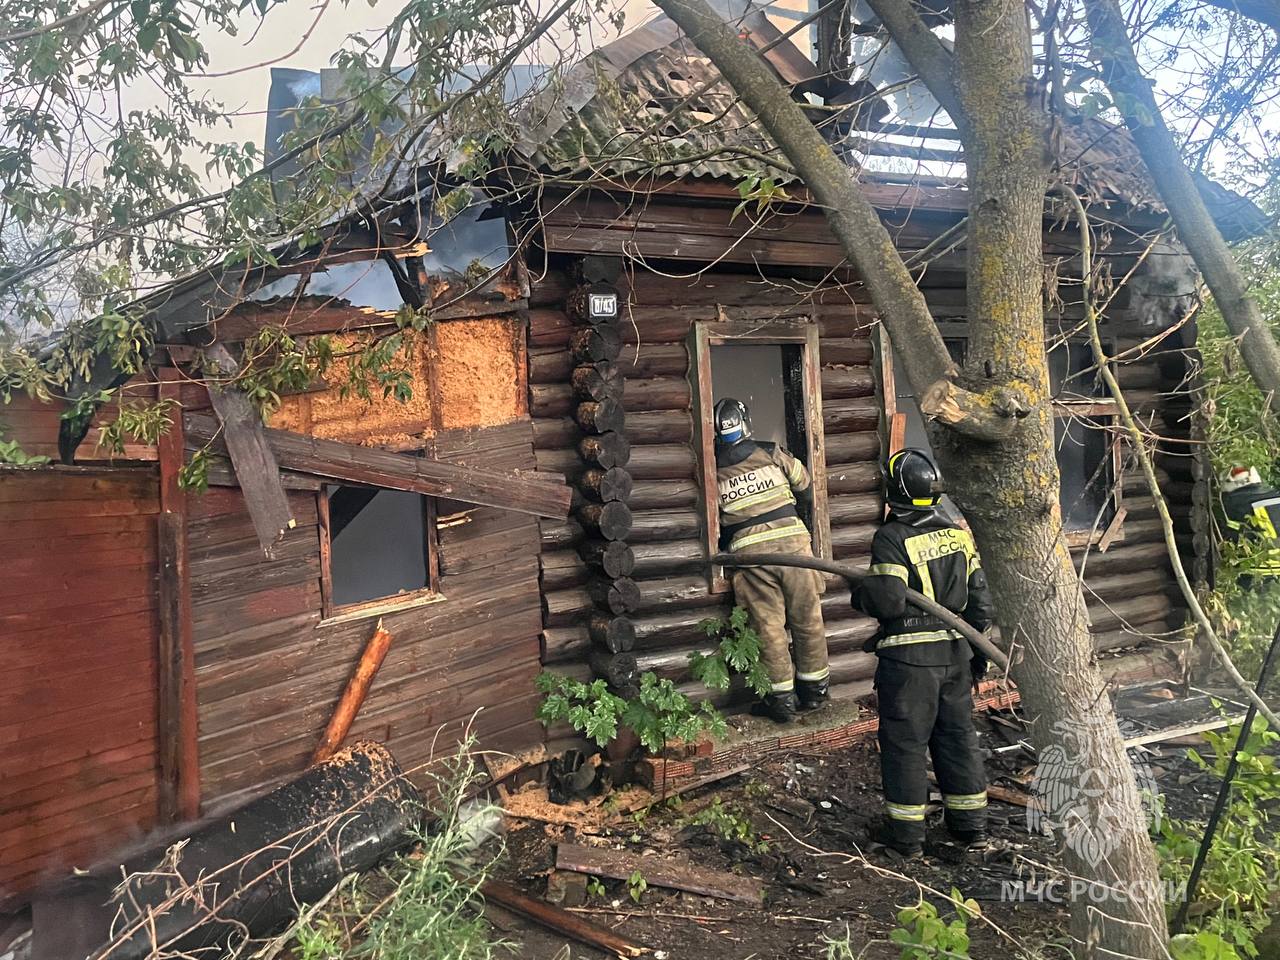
(379, 546)
(1087, 448)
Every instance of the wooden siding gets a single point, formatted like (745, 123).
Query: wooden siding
(78, 625)
(34, 425)
(269, 671)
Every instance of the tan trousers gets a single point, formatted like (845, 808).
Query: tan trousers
(780, 598)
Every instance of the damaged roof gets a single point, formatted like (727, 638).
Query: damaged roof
(651, 102)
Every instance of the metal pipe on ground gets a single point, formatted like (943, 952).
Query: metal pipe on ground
(853, 575)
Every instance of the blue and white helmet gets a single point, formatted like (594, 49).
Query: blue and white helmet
(733, 421)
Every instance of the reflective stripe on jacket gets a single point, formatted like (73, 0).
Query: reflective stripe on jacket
(923, 551)
(752, 480)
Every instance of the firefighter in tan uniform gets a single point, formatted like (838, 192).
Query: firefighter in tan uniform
(758, 484)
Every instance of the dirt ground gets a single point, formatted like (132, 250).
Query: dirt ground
(813, 810)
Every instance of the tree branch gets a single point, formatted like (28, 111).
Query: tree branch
(990, 416)
(1263, 11)
(55, 24)
(1132, 93)
(1103, 364)
(924, 51)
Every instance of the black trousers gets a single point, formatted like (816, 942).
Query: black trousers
(929, 708)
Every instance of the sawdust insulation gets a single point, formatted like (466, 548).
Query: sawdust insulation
(475, 366)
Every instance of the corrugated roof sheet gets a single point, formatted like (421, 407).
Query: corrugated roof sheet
(612, 121)
(637, 121)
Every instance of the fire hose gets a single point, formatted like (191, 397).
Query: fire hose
(918, 600)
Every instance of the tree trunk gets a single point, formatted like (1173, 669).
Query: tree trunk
(1001, 468)
(1009, 491)
(1196, 228)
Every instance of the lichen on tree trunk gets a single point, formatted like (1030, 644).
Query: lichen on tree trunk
(993, 428)
(1008, 491)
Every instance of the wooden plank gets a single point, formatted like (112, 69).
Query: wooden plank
(112, 635)
(817, 441)
(394, 471)
(64, 585)
(42, 486)
(107, 765)
(675, 875)
(65, 525)
(560, 921)
(55, 509)
(177, 719)
(1173, 733)
(251, 453)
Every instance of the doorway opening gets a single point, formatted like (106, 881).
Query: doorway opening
(769, 379)
(774, 369)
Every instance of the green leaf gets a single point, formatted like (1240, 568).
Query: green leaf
(148, 36)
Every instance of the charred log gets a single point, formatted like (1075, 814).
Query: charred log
(615, 634)
(614, 557)
(607, 450)
(594, 344)
(607, 485)
(604, 416)
(616, 596)
(612, 521)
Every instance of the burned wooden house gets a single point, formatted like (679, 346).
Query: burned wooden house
(162, 666)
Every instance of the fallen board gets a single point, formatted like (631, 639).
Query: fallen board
(621, 865)
(561, 921)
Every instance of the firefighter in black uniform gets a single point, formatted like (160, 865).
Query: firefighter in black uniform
(925, 670)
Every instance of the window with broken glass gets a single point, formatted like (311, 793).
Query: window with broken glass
(380, 548)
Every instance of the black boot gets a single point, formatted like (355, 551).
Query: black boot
(887, 836)
(778, 707)
(975, 839)
(813, 694)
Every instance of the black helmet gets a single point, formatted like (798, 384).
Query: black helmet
(911, 480)
(733, 421)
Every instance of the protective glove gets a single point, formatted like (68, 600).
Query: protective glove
(869, 645)
(978, 665)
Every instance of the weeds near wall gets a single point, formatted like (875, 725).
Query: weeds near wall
(659, 713)
(1241, 878)
(425, 903)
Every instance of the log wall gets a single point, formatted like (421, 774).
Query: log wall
(666, 534)
(1130, 591)
(78, 659)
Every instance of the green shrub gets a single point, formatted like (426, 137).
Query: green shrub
(924, 935)
(738, 651)
(1241, 875)
(658, 714)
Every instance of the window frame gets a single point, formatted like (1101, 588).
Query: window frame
(331, 612)
(799, 332)
(1102, 536)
